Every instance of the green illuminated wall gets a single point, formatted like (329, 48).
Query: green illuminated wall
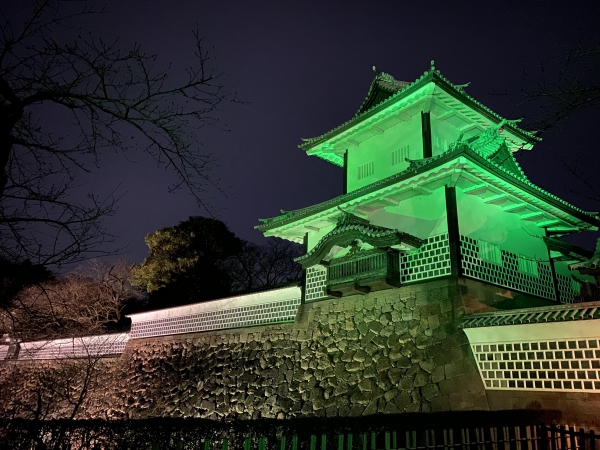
(422, 216)
(315, 236)
(386, 148)
(490, 223)
(444, 133)
(378, 150)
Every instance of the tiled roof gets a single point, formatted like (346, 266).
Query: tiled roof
(350, 224)
(592, 265)
(401, 89)
(382, 82)
(420, 166)
(543, 314)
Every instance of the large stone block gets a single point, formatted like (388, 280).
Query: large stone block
(440, 403)
(421, 379)
(467, 382)
(456, 368)
(466, 401)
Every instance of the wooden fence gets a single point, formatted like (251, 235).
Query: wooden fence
(530, 437)
(553, 438)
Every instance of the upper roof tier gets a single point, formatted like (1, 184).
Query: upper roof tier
(390, 102)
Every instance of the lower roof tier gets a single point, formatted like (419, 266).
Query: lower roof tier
(461, 167)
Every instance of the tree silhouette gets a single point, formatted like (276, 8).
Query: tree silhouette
(113, 98)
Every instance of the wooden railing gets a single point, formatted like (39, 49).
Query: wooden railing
(382, 264)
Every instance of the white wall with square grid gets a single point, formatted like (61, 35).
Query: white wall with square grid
(431, 260)
(554, 356)
(274, 306)
(509, 269)
(316, 283)
(81, 347)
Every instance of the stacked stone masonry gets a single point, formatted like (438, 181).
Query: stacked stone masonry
(392, 351)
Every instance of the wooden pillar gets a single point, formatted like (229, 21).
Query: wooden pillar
(345, 188)
(303, 282)
(426, 133)
(553, 271)
(453, 232)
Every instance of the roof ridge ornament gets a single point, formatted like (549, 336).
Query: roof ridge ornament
(458, 143)
(414, 164)
(513, 122)
(383, 76)
(462, 87)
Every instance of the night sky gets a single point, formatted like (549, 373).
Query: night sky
(302, 68)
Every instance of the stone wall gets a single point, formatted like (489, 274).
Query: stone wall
(393, 351)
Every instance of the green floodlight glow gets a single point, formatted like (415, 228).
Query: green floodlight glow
(426, 159)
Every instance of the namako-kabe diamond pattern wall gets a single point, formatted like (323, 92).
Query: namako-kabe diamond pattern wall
(553, 348)
(83, 347)
(316, 283)
(431, 260)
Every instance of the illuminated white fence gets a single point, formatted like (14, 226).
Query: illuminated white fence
(80, 347)
(3, 352)
(260, 308)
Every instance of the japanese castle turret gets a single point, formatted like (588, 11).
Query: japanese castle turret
(433, 196)
(436, 282)
(432, 190)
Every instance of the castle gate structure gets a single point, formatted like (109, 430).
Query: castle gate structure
(435, 282)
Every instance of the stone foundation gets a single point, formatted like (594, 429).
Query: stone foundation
(392, 351)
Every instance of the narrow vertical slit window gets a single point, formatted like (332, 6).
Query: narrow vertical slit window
(440, 144)
(366, 170)
(528, 266)
(489, 252)
(399, 155)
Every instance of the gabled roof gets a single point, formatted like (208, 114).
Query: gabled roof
(383, 87)
(505, 159)
(492, 145)
(350, 228)
(467, 159)
(385, 91)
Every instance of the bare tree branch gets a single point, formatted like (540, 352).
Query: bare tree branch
(115, 98)
(264, 266)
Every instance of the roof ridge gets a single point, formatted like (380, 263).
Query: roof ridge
(433, 73)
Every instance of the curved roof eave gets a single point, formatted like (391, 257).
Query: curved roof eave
(523, 184)
(429, 76)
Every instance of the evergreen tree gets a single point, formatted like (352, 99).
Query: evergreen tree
(186, 262)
